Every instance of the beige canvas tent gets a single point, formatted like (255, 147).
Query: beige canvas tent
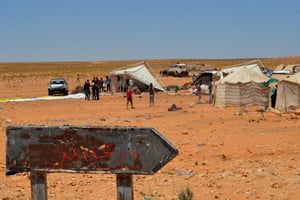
(241, 88)
(140, 75)
(288, 94)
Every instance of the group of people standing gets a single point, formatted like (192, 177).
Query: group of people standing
(97, 86)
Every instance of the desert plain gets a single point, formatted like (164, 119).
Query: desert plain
(224, 153)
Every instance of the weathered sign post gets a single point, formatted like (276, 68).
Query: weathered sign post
(123, 151)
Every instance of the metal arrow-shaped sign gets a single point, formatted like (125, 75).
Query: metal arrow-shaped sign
(115, 150)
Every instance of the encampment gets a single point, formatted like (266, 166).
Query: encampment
(288, 94)
(241, 88)
(138, 73)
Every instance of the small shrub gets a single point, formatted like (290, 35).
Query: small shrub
(185, 194)
(147, 198)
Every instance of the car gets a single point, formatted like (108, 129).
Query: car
(58, 86)
(179, 70)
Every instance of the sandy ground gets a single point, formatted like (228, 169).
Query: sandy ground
(223, 153)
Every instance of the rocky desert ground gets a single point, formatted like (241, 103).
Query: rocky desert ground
(224, 153)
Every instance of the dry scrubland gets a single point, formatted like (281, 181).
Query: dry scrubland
(224, 153)
(16, 76)
(70, 69)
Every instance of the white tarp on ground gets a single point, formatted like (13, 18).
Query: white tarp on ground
(242, 88)
(288, 94)
(70, 96)
(139, 74)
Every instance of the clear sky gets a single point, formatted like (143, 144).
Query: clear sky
(95, 30)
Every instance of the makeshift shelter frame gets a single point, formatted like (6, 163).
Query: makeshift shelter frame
(123, 88)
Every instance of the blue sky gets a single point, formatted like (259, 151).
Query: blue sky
(95, 30)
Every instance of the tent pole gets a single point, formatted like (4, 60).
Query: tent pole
(285, 100)
(151, 69)
(123, 85)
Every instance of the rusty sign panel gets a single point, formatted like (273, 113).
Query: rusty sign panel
(118, 150)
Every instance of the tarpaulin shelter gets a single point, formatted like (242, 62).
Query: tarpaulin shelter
(292, 68)
(241, 88)
(230, 70)
(288, 93)
(140, 75)
(255, 65)
(284, 71)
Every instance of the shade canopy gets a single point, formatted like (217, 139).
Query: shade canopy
(139, 74)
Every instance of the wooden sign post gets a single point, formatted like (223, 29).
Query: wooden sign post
(123, 151)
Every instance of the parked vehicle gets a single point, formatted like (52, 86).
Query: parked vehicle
(58, 86)
(178, 70)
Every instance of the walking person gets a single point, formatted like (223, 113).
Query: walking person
(129, 98)
(151, 94)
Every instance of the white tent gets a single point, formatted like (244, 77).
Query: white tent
(140, 75)
(288, 94)
(242, 87)
(230, 70)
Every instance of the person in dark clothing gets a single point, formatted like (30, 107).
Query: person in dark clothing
(273, 97)
(100, 83)
(87, 91)
(97, 84)
(94, 88)
(107, 84)
(151, 94)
